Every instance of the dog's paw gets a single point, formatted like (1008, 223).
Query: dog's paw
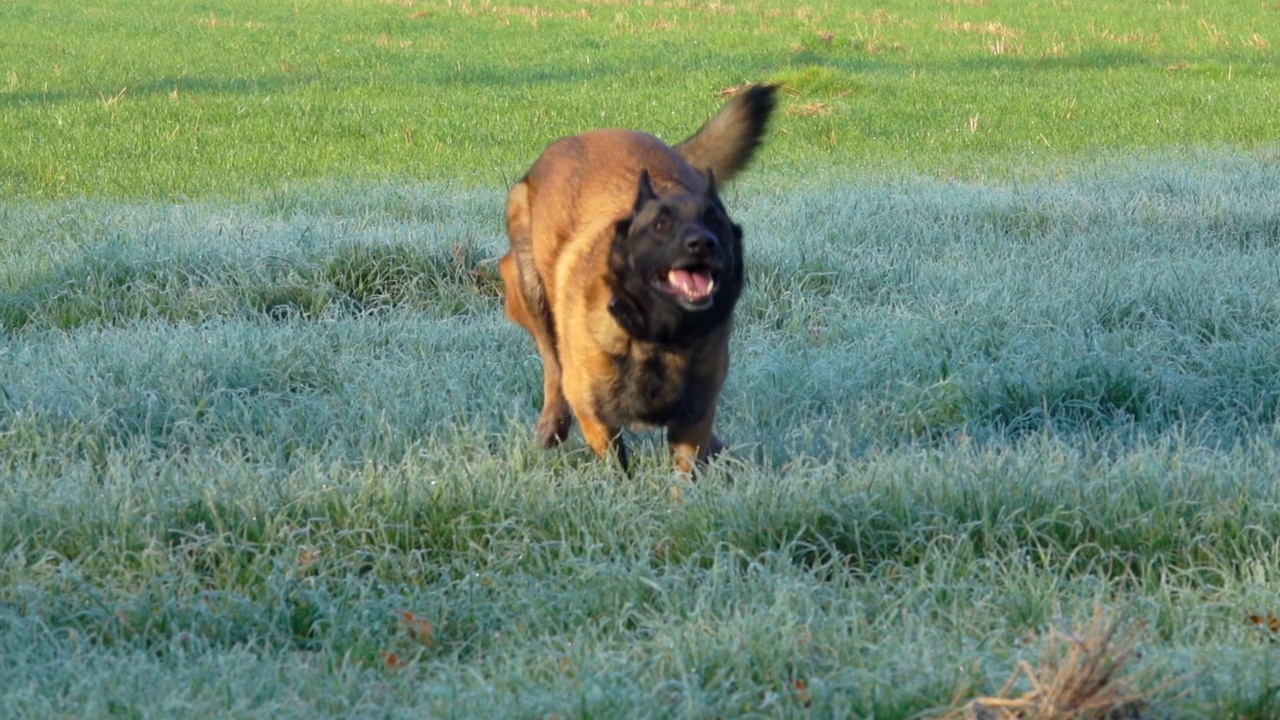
(553, 428)
(689, 460)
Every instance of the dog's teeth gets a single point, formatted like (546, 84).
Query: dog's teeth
(693, 285)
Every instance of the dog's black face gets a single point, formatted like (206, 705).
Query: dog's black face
(677, 265)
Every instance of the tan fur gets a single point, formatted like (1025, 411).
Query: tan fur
(561, 219)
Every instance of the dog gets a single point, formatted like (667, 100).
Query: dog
(625, 268)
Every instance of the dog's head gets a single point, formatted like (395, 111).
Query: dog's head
(677, 266)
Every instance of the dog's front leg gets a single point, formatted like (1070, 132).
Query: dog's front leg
(602, 439)
(694, 444)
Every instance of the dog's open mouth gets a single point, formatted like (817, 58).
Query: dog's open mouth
(692, 285)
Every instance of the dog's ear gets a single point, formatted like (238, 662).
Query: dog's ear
(644, 191)
(710, 192)
(621, 229)
(644, 194)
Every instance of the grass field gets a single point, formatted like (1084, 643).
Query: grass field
(1010, 355)
(164, 100)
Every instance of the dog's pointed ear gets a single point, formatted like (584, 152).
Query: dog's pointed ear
(644, 191)
(711, 191)
(622, 228)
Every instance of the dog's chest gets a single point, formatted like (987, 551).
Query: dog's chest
(655, 388)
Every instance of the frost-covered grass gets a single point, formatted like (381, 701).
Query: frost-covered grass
(274, 458)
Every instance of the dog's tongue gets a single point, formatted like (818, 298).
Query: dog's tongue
(690, 284)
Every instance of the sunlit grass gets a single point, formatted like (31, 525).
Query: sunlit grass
(124, 99)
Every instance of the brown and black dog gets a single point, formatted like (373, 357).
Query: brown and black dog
(625, 268)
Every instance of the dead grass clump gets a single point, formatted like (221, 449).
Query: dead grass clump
(386, 41)
(733, 90)
(813, 109)
(1082, 676)
(995, 29)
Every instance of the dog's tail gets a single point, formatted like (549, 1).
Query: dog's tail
(725, 143)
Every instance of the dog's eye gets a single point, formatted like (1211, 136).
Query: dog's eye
(662, 223)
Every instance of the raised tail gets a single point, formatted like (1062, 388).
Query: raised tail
(725, 143)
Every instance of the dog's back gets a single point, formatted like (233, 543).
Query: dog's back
(581, 185)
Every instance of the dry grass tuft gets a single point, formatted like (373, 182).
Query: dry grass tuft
(386, 41)
(1003, 38)
(733, 90)
(813, 109)
(996, 29)
(1082, 676)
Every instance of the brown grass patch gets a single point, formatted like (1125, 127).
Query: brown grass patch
(1082, 675)
(1133, 37)
(813, 109)
(505, 13)
(733, 90)
(995, 29)
(714, 7)
(1003, 39)
(385, 41)
(1216, 38)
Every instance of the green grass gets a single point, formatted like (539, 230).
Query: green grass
(1008, 354)
(160, 100)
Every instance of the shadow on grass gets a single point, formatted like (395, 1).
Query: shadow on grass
(163, 86)
(111, 289)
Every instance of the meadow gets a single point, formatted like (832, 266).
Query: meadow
(1009, 360)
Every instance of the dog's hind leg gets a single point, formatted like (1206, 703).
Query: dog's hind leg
(512, 296)
(526, 305)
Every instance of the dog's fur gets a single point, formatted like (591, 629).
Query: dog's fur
(625, 268)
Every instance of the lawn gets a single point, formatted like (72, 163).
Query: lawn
(1009, 357)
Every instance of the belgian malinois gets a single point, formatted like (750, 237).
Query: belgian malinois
(625, 268)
